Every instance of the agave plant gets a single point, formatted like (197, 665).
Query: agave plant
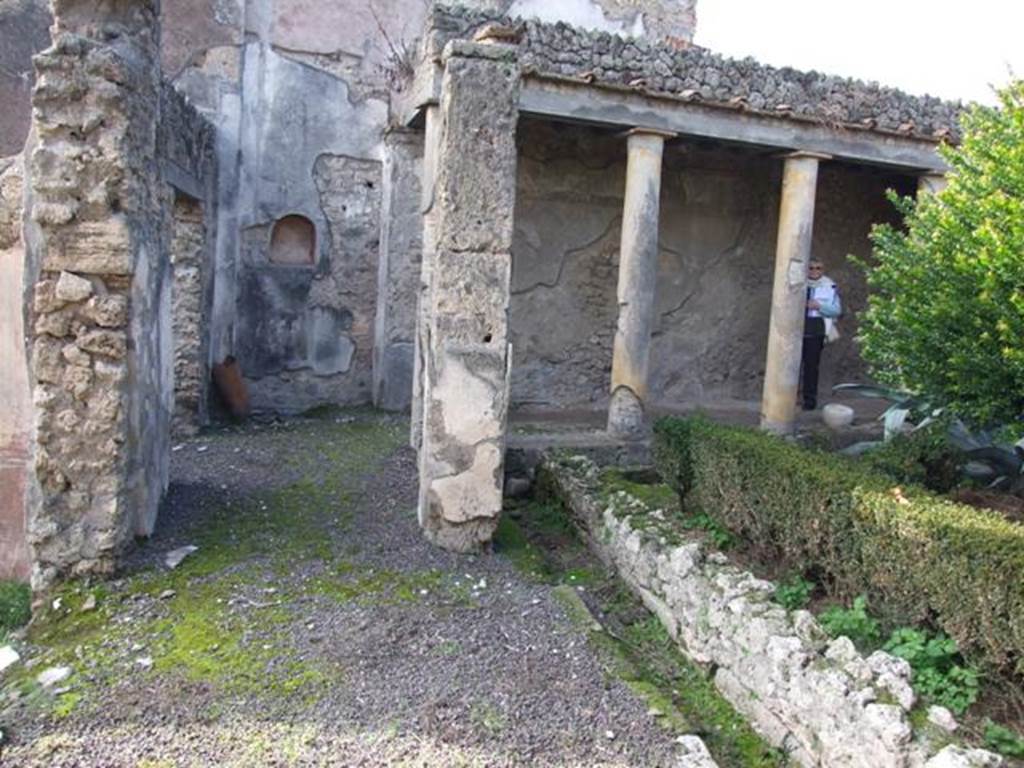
(997, 463)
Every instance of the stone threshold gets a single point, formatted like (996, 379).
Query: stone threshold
(818, 699)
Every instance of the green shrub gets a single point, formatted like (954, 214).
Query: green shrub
(916, 557)
(15, 605)
(924, 457)
(1003, 740)
(794, 592)
(939, 676)
(854, 622)
(945, 315)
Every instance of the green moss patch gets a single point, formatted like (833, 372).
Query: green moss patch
(226, 618)
(631, 643)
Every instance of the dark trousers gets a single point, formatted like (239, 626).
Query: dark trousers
(814, 342)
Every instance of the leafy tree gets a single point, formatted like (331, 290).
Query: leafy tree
(945, 315)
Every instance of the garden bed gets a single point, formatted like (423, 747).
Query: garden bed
(819, 700)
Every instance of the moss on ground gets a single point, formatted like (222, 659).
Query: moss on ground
(15, 607)
(632, 644)
(226, 615)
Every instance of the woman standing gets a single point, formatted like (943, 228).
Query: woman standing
(823, 307)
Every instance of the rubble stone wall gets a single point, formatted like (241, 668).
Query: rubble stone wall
(818, 699)
(191, 370)
(101, 364)
(188, 165)
(696, 73)
(719, 215)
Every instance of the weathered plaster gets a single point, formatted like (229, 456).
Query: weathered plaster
(399, 269)
(16, 415)
(466, 352)
(24, 30)
(719, 211)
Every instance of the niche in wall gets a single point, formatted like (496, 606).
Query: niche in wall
(293, 241)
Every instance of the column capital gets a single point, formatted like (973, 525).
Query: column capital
(802, 154)
(931, 182)
(639, 131)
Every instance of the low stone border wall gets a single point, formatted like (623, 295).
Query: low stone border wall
(819, 699)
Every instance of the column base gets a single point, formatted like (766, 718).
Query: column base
(781, 428)
(626, 415)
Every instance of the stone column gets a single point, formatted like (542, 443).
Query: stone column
(466, 353)
(401, 236)
(638, 270)
(789, 292)
(930, 183)
(428, 216)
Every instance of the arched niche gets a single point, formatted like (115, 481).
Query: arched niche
(293, 241)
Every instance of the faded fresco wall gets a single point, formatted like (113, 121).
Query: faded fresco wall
(299, 90)
(718, 227)
(16, 416)
(24, 31)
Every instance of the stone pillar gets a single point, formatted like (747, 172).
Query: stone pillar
(789, 292)
(101, 361)
(638, 271)
(401, 236)
(931, 183)
(428, 222)
(466, 354)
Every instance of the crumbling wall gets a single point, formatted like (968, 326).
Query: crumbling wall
(290, 83)
(16, 419)
(719, 213)
(191, 372)
(188, 166)
(100, 313)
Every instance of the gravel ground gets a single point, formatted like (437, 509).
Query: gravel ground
(330, 631)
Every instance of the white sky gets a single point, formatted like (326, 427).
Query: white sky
(953, 49)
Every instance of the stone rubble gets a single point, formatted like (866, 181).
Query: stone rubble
(696, 74)
(52, 675)
(818, 699)
(8, 656)
(694, 754)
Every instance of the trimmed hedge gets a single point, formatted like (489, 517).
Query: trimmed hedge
(916, 556)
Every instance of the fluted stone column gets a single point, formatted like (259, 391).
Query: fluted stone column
(428, 185)
(466, 354)
(930, 183)
(789, 292)
(638, 270)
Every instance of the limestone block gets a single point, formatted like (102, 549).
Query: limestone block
(94, 248)
(470, 297)
(72, 288)
(476, 202)
(958, 757)
(47, 362)
(112, 344)
(77, 380)
(694, 754)
(44, 297)
(56, 324)
(109, 311)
